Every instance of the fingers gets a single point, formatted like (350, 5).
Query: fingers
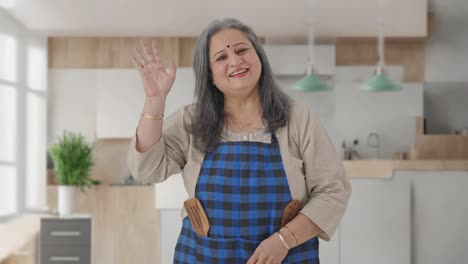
(154, 44)
(254, 258)
(139, 57)
(148, 60)
(149, 56)
(138, 65)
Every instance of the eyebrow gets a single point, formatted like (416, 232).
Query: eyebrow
(225, 49)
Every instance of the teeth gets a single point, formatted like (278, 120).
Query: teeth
(237, 72)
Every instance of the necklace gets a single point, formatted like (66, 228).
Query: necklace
(262, 135)
(240, 127)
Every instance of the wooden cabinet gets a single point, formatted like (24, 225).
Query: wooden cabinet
(437, 147)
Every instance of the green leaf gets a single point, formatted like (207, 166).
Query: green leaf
(73, 160)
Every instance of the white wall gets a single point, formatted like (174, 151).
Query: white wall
(447, 49)
(446, 68)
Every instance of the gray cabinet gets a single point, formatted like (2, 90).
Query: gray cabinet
(65, 240)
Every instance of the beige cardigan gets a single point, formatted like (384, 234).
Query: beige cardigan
(316, 175)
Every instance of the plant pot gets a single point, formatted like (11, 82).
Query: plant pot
(66, 199)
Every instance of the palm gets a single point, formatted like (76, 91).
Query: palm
(157, 82)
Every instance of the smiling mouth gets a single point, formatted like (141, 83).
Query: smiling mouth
(240, 73)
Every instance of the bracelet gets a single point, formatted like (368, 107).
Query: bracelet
(282, 240)
(147, 116)
(292, 233)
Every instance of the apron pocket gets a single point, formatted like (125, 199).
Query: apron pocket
(223, 250)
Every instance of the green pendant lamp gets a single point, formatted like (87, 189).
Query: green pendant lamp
(311, 82)
(380, 82)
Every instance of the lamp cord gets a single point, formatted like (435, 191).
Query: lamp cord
(381, 38)
(311, 37)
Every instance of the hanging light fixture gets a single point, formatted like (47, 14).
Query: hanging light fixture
(380, 82)
(311, 82)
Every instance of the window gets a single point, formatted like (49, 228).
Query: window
(8, 110)
(23, 93)
(8, 53)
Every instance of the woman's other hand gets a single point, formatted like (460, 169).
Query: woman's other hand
(156, 80)
(270, 251)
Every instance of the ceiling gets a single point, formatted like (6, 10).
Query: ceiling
(333, 18)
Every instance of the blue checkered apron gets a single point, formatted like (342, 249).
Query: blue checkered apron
(243, 188)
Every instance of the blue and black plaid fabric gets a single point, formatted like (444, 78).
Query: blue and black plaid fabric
(243, 188)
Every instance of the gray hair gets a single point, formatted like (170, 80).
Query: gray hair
(208, 118)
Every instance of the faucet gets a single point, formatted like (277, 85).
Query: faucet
(373, 142)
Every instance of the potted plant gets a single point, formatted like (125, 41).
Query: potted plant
(72, 158)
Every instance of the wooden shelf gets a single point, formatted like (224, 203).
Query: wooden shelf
(438, 147)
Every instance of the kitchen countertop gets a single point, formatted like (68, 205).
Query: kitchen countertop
(17, 233)
(386, 168)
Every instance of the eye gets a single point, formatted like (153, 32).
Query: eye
(222, 57)
(242, 50)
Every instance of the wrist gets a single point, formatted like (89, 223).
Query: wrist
(154, 105)
(283, 241)
(288, 237)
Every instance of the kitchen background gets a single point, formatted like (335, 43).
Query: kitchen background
(61, 71)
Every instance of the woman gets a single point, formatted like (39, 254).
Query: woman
(245, 151)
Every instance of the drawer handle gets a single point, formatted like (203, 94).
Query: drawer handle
(71, 259)
(65, 233)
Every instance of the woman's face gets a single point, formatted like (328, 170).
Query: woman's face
(234, 63)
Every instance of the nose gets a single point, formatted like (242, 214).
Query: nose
(235, 60)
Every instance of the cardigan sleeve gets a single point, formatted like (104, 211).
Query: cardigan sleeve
(328, 188)
(165, 158)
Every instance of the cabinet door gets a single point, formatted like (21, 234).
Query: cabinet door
(170, 227)
(120, 100)
(376, 226)
(329, 251)
(71, 104)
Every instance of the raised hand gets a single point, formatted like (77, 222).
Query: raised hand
(156, 80)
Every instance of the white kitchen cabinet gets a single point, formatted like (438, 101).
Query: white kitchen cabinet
(170, 227)
(377, 224)
(329, 251)
(71, 103)
(120, 100)
(171, 193)
(439, 215)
